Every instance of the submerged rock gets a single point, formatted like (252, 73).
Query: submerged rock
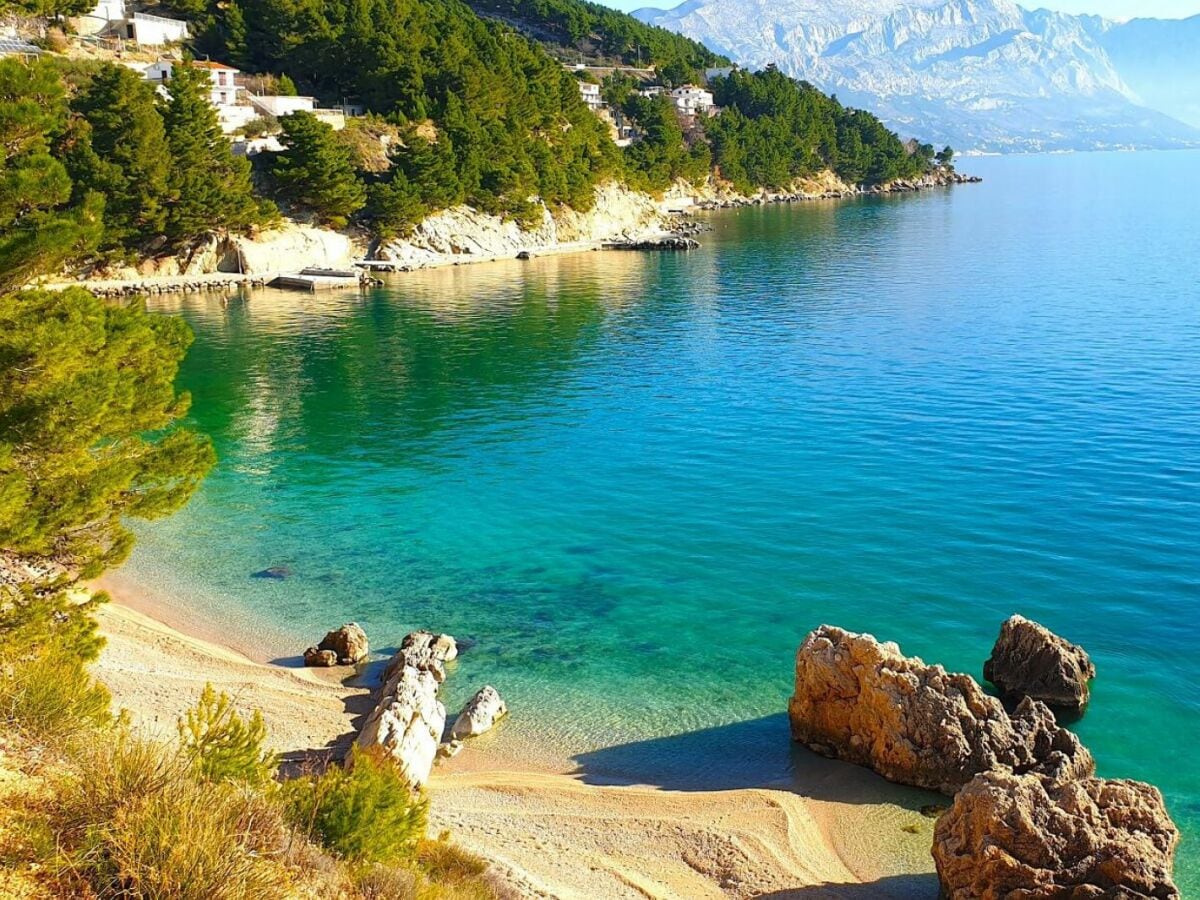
(1030, 660)
(276, 572)
(348, 644)
(864, 702)
(322, 659)
(1009, 836)
(408, 720)
(480, 714)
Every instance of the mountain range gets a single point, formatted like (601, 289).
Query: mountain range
(986, 75)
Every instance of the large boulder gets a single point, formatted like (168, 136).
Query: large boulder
(481, 712)
(1009, 836)
(863, 701)
(408, 720)
(1030, 660)
(348, 643)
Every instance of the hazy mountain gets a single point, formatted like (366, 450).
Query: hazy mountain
(986, 74)
(1160, 60)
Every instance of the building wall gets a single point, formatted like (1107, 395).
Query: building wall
(281, 106)
(154, 31)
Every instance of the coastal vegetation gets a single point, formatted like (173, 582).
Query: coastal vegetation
(477, 109)
(92, 435)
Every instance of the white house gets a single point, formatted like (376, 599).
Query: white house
(223, 89)
(278, 105)
(718, 72)
(692, 101)
(111, 17)
(224, 93)
(591, 95)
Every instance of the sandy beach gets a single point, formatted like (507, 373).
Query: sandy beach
(555, 832)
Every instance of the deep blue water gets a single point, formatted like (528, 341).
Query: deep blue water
(638, 480)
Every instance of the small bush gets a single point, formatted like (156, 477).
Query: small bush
(135, 821)
(365, 813)
(448, 863)
(51, 698)
(201, 842)
(222, 745)
(378, 882)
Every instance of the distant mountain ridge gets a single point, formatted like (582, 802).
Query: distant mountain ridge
(981, 74)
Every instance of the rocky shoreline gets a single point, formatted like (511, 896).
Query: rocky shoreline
(619, 219)
(840, 191)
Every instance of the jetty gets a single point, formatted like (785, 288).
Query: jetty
(317, 279)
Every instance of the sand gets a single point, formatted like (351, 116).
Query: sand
(549, 833)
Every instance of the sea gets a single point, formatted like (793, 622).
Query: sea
(632, 482)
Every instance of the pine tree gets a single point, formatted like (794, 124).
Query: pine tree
(87, 398)
(120, 150)
(210, 187)
(316, 170)
(39, 228)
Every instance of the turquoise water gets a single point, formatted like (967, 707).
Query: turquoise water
(638, 480)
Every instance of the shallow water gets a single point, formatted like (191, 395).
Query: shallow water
(638, 480)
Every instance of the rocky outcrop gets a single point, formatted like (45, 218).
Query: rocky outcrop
(424, 649)
(1030, 660)
(1010, 836)
(408, 720)
(320, 659)
(348, 644)
(863, 701)
(464, 234)
(480, 714)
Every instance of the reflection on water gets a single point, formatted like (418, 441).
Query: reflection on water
(639, 479)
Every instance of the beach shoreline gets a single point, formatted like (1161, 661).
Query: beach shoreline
(549, 828)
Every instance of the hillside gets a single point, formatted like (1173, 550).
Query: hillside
(985, 74)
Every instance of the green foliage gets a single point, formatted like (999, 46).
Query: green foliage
(47, 8)
(87, 405)
(222, 745)
(365, 812)
(661, 156)
(210, 187)
(40, 228)
(510, 122)
(316, 170)
(774, 129)
(945, 156)
(48, 695)
(592, 27)
(118, 148)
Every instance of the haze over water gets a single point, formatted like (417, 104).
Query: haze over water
(638, 480)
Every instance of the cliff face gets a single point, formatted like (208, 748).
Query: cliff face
(463, 234)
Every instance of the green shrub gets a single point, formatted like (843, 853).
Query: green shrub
(50, 697)
(222, 745)
(365, 813)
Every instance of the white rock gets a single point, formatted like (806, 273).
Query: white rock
(480, 714)
(408, 720)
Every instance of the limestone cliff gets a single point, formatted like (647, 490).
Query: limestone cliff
(464, 234)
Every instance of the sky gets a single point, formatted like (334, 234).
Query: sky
(1112, 9)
